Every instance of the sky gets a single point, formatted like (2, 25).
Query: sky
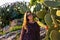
(10, 1)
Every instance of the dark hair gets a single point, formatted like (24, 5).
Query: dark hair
(11, 19)
(28, 11)
(25, 21)
(27, 14)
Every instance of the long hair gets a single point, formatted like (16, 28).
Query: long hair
(25, 21)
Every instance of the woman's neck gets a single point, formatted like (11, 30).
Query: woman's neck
(31, 21)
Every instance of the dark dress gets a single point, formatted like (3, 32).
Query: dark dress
(33, 32)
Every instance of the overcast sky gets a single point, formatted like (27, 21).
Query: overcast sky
(10, 1)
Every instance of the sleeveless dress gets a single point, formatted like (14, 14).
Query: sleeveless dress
(32, 33)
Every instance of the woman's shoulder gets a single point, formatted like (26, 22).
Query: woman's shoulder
(37, 23)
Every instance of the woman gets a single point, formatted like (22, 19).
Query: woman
(30, 29)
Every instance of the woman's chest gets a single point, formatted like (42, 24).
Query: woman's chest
(33, 28)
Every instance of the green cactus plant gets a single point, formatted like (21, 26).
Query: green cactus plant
(53, 4)
(41, 14)
(48, 20)
(53, 18)
(54, 35)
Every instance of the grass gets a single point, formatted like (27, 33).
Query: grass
(15, 28)
(2, 33)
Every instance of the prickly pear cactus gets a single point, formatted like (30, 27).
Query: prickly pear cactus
(54, 35)
(41, 14)
(48, 20)
(46, 38)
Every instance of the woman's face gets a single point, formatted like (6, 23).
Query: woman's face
(30, 17)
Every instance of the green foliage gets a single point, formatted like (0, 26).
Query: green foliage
(22, 8)
(53, 4)
(2, 32)
(54, 35)
(48, 20)
(17, 37)
(46, 38)
(54, 11)
(15, 11)
(15, 28)
(41, 14)
(32, 2)
(37, 7)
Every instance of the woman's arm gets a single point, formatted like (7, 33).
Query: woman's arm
(42, 25)
(22, 33)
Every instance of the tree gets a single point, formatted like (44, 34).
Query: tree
(14, 11)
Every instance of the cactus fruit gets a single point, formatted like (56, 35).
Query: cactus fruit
(58, 13)
(54, 35)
